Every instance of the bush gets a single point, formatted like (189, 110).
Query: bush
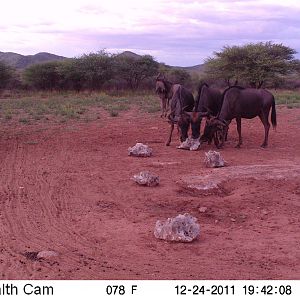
(43, 76)
(6, 75)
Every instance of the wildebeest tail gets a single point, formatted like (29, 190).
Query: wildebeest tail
(273, 114)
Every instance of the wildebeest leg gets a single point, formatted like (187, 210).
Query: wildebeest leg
(264, 119)
(195, 126)
(170, 136)
(163, 106)
(184, 128)
(226, 133)
(239, 129)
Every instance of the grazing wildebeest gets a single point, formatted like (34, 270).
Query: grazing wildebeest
(208, 101)
(179, 100)
(238, 103)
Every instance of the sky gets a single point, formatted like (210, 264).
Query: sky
(178, 33)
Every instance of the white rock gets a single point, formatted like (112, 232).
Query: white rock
(140, 150)
(213, 159)
(185, 144)
(146, 178)
(190, 144)
(195, 144)
(202, 209)
(46, 254)
(183, 228)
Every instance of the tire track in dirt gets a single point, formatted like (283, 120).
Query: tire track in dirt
(10, 190)
(22, 192)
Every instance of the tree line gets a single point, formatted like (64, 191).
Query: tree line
(257, 65)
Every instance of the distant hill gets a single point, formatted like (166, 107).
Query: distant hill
(19, 61)
(128, 54)
(192, 69)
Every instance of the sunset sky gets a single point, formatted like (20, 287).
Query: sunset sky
(179, 32)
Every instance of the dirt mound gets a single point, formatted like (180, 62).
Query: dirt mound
(215, 181)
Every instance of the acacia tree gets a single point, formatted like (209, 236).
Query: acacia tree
(178, 75)
(43, 76)
(6, 74)
(97, 68)
(71, 74)
(253, 64)
(134, 70)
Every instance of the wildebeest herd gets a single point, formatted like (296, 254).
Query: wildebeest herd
(219, 109)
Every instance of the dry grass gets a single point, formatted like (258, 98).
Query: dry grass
(30, 107)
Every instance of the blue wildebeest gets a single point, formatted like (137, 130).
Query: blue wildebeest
(238, 103)
(178, 100)
(208, 102)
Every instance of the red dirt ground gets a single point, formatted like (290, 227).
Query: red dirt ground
(67, 188)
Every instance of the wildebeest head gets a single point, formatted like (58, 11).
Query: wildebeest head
(160, 86)
(212, 127)
(160, 89)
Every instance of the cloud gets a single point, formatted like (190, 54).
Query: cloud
(177, 32)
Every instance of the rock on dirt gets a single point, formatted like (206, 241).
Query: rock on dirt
(146, 178)
(203, 209)
(213, 159)
(35, 255)
(47, 254)
(190, 144)
(140, 150)
(183, 228)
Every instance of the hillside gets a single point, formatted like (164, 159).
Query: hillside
(192, 69)
(128, 54)
(19, 61)
(197, 69)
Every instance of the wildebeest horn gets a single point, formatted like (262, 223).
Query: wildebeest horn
(160, 77)
(195, 115)
(223, 122)
(210, 112)
(219, 122)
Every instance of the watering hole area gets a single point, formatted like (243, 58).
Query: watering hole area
(65, 189)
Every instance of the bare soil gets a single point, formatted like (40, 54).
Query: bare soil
(67, 188)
